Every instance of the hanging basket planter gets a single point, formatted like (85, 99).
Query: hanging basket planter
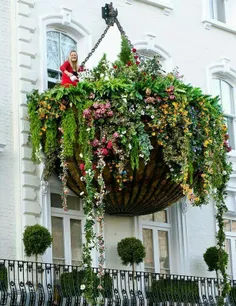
(131, 140)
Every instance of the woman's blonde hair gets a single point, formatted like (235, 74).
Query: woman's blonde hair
(74, 65)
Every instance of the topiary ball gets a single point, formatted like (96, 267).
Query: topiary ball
(131, 251)
(213, 256)
(36, 239)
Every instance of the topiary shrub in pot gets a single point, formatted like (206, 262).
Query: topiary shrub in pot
(36, 239)
(213, 257)
(131, 251)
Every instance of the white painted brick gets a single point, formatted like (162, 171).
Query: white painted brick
(26, 153)
(26, 23)
(27, 49)
(30, 3)
(28, 75)
(25, 126)
(31, 181)
(25, 87)
(24, 35)
(24, 138)
(29, 194)
(28, 167)
(24, 113)
(31, 208)
(25, 61)
(23, 9)
(22, 99)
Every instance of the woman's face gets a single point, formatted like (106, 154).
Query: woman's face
(73, 56)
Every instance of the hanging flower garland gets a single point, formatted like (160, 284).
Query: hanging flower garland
(111, 123)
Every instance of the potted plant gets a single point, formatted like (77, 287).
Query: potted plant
(131, 251)
(36, 239)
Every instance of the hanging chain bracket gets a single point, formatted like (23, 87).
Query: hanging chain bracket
(110, 15)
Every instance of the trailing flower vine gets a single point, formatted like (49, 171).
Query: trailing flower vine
(109, 125)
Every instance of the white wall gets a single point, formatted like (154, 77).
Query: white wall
(7, 157)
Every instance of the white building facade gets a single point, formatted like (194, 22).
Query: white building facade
(37, 35)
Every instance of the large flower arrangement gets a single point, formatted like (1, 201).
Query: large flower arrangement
(112, 119)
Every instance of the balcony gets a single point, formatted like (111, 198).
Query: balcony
(29, 283)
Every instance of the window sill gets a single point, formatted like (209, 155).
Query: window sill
(166, 5)
(208, 23)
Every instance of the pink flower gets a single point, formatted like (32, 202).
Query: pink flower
(100, 287)
(96, 105)
(115, 67)
(172, 97)
(108, 105)
(136, 56)
(109, 145)
(95, 142)
(87, 113)
(105, 151)
(103, 140)
(134, 50)
(137, 62)
(115, 135)
(82, 167)
(110, 113)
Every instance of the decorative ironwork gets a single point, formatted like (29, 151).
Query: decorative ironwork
(24, 287)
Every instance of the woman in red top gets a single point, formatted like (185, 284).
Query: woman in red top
(70, 70)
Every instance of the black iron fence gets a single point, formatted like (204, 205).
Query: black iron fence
(28, 283)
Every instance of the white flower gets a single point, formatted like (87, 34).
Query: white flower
(82, 193)
(81, 155)
(124, 132)
(142, 112)
(130, 146)
(152, 116)
(90, 218)
(102, 75)
(224, 172)
(88, 129)
(82, 287)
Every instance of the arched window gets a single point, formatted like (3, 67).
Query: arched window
(225, 91)
(58, 47)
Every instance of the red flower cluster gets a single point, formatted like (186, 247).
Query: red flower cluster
(103, 147)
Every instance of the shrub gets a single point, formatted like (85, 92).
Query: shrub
(131, 251)
(71, 282)
(213, 256)
(36, 240)
(3, 277)
(173, 290)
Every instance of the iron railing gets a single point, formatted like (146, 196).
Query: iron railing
(28, 283)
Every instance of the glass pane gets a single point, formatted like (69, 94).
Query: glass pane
(67, 45)
(76, 241)
(160, 216)
(227, 225)
(53, 74)
(147, 217)
(148, 244)
(163, 250)
(233, 226)
(58, 240)
(230, 127)
(53, 51)
(226, 97)
(212, 15)
(228, 250)
(220, 4)
(73, 202)
(216, 87)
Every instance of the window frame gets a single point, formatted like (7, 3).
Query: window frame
(61, 32)
(66, 217)
(155, 227)
(231, 236)
(218, 76)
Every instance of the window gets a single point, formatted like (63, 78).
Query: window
(58, 47)
(225, 91)
(217, 10)
(66, 231)
(223, 11)
(230, 246)
(156, 233)
(146, 53)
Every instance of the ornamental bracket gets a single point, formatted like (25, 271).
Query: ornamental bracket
(109, 14)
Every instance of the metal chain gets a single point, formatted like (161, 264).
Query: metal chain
(119, 26)
(96, 45)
